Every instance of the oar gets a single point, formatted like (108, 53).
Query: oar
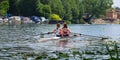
(91, 36)
(46, 33)
(42, 34)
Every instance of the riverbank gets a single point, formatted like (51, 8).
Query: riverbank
(106, 21)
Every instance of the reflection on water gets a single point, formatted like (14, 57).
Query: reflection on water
(63, 43)
(20, 39)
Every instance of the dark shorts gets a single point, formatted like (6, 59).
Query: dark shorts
(58, 35)
(65, 35)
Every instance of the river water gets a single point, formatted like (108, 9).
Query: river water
(20, 39)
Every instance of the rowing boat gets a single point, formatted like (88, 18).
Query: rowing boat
(73, 35)
(57, 38)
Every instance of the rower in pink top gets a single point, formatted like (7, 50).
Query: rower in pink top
(65, 30)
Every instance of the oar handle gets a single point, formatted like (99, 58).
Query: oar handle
(46, 33)
(76, 33)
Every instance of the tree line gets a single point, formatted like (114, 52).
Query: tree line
(69, 10)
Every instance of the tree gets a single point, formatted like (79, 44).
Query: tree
(57, 7)
(14, 9)
(4, 5)
(75, 10)
(43, 10)
(27, 8)
(71, 10)
(96, 7)
(46, 11)
(67, 8)
(117, 8)
(55, 17)
(45, 2)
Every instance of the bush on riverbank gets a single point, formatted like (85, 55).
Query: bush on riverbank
(55, 17)
(68, 22)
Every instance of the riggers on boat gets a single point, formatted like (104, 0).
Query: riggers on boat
(72, 35)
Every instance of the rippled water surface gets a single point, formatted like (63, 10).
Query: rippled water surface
(20, 39)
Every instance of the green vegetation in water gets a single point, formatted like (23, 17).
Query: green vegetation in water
(88, 52)
(61, 55)
(88, 59)
(42, 56)
(26, 55)
(114, 54)
(74, 54)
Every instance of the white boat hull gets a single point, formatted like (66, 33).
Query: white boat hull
(47, 39)
(56, 38)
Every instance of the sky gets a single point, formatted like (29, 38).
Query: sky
(116, 3)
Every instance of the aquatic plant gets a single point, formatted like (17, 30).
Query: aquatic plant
(114, 51)
(109, 49)
(62, 55)
(42, 56)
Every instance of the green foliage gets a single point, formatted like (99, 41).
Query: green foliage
(42, 56)
(76, 53)
(87, 52)
(87, 59)
(55, 17)
(27, 8)
(14, 8)
(57, 7)
(39, 8)
(113, 52)
(46, 10)
(67, 7)
(72, 10)
(63, 55)
(46, 56)
(82, 21)
(53, 58)
(68, 21)
(4, 5)
(43, 10)
(45, 1)
(97, 7)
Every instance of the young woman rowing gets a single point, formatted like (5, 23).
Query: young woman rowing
(58, 31)
(65, 30)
